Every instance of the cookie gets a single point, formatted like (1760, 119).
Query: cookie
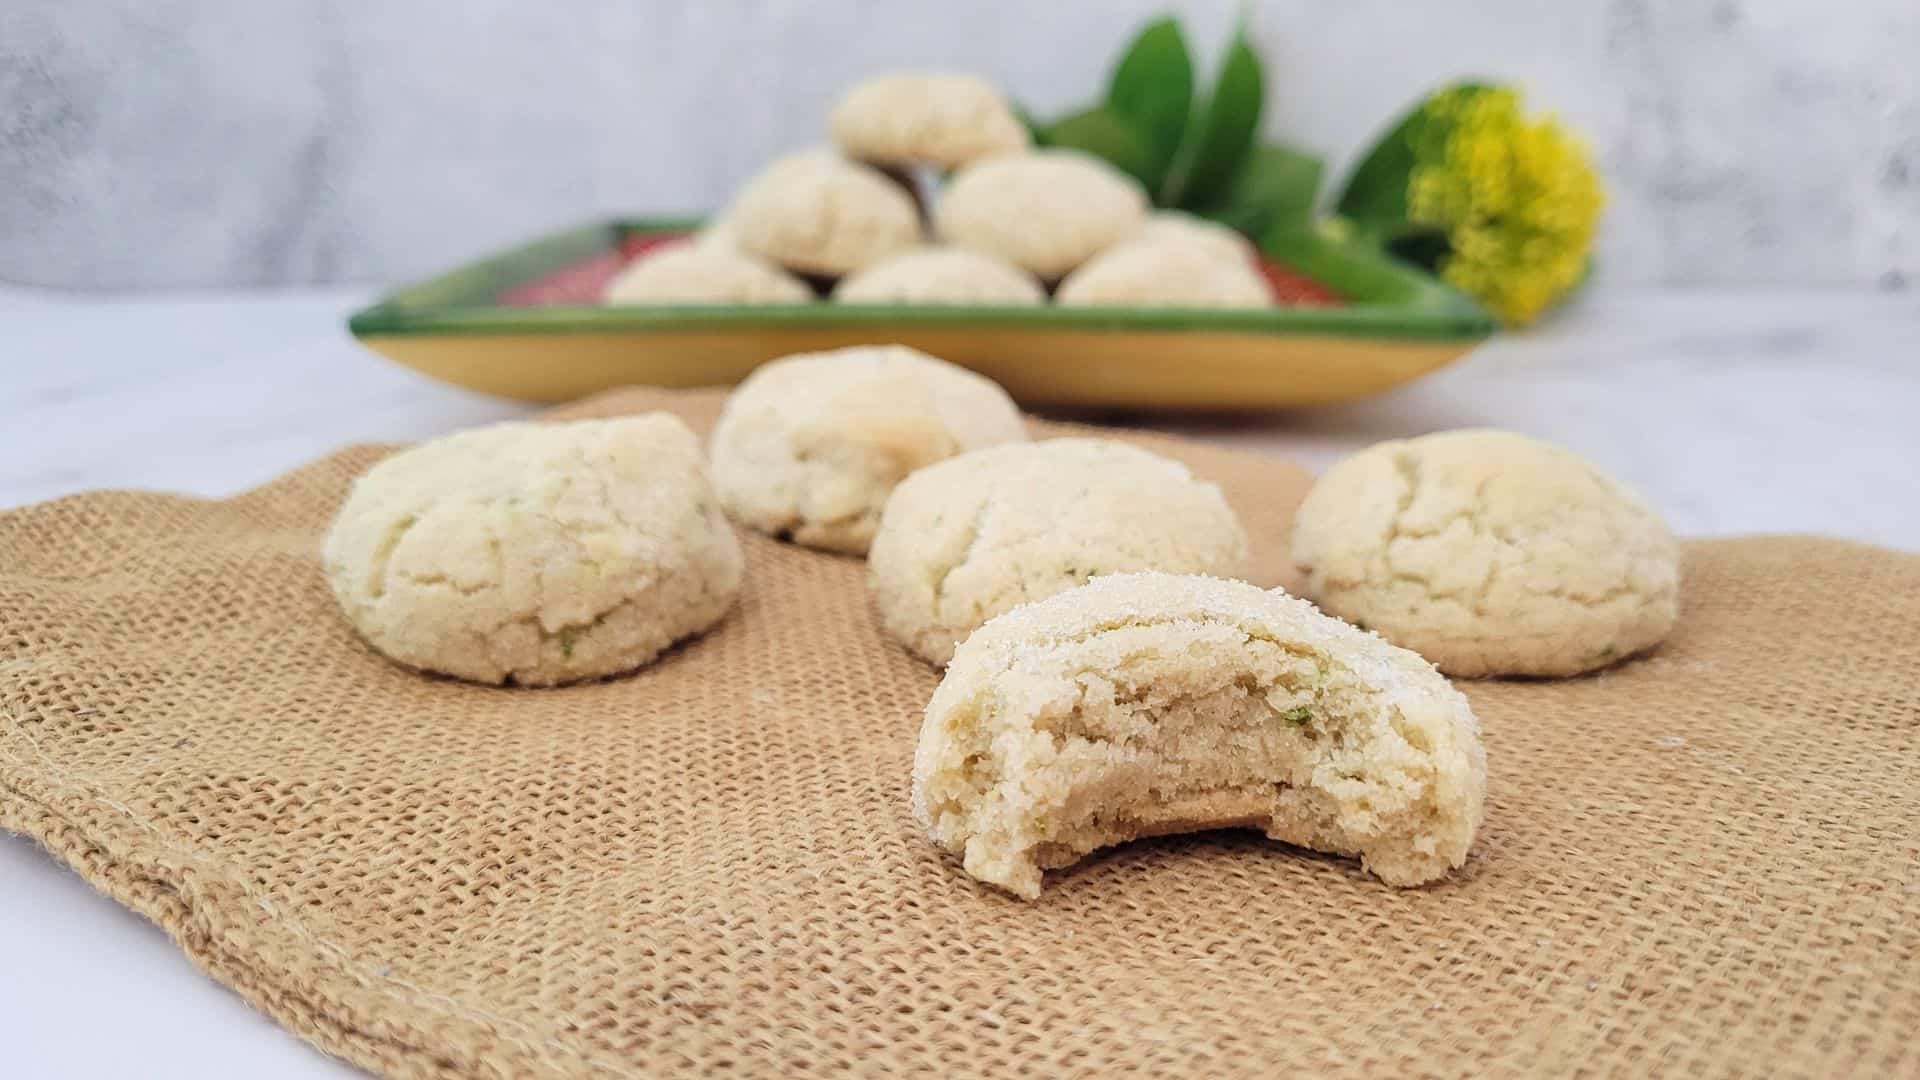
(704, 272)
(1045, 212)
(1489, 553)
(809, 447)
(535, 554)
(926, 118)
(716, 232)
(1146, 704)
(1208, 237)
(941, 275)
(817, 213)
(1157, 273)
(977, 535)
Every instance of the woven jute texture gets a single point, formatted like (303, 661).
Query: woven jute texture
(1703, 862)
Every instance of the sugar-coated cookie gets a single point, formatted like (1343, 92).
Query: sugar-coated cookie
(971, 537)
(1045, 212)
(534, 553)
(1145, 704)
(1163, 273)
(1489, 553)
(808, 447)
(926, 118)
(941, 275)
(1177, 227)
(704, 272)
(815, 212)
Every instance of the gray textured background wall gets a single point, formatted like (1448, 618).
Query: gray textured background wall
(196, 142)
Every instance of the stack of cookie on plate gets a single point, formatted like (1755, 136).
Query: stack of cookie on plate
(1107, 673)
(1009, 224)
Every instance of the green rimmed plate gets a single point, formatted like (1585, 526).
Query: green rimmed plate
(521, 324)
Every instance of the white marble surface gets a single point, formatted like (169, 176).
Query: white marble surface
(175, 142)
(1733, 412)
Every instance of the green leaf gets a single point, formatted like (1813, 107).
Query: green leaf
(1152, 89)
(1376, 191)
(1276, 186)
(1105, 134)
(1227, 125)
(1375, 196)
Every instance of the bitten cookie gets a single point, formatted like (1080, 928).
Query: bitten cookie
(808, 447)
(1045, 212)
(704, 272)
(1489, 553)
(815, 212)
(535, 554)
(938, 119)
(1146, 704)
(941, 275)
(976, 535)
(1159, 273)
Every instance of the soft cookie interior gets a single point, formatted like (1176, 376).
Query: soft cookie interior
(1155, 728)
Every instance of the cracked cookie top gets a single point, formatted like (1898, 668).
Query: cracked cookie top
(1489, 553)
(815, 212)
(1045, 212)
(926, 118)
(535, 553)
(977, 535)
(809, 446)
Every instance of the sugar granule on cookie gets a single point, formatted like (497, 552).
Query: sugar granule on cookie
(1146, 704)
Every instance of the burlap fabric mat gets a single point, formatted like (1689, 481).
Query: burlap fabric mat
(1706, 862)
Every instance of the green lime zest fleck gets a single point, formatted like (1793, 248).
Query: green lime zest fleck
(568, 634)
(1299, 716)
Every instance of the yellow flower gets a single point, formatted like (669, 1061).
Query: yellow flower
(1519, 200)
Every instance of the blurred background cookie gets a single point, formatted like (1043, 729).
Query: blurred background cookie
(1046, 212)
(1165, 273)
(1176, 228)
(705, 271)
(941, 275)
(925, 118)
(809, 447)
(815, 212)
(976, 535)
